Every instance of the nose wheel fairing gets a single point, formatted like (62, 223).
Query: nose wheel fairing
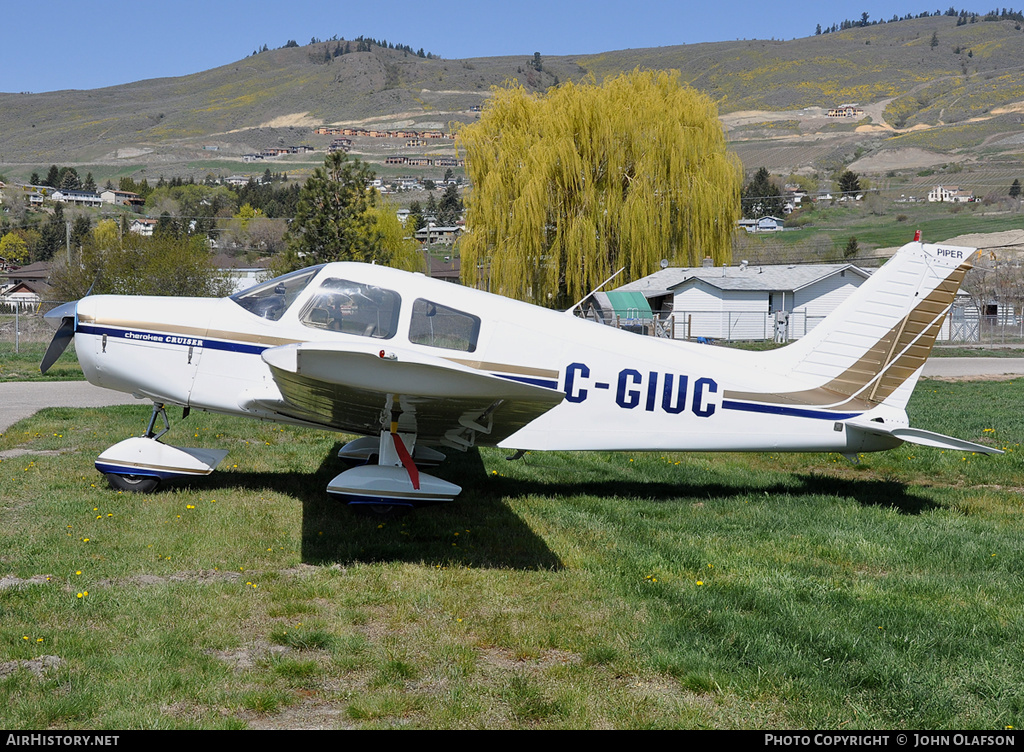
(142, 456)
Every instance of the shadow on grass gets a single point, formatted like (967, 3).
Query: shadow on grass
(478, 529)
(867, 493)
(475, 530)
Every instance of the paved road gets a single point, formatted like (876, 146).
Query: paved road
(19, 400)
(952, 367)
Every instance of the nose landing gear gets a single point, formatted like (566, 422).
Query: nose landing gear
(140, 463)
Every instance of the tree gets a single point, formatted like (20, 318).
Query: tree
(570, 185)
(761, 197)
(13, 248)
(849, 183)
(68, 179)
(935, 40)
(130, 264)
(1015, 188)
(449, 208)
(335, 219)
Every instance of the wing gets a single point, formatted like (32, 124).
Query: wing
(361, 388)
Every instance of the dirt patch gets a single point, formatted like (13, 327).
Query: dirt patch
(11, 581)
(990, 377)
(900, 159)
(11, 453)
(315, 714)
(298, 119)
(203, 576)
(37, 666)
(245, 658)
(508, 660)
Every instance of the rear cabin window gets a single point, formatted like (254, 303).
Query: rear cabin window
(435, 325)
(340, 305)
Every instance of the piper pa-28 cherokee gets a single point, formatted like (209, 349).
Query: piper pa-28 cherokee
(410, 363)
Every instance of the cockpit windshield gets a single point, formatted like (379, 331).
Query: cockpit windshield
(270, 300)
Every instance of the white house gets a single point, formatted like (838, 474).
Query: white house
(77, 198)
(950, 194)
(747, 302)
(763, 224)
(143, 226)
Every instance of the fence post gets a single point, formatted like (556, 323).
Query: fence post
(17, 330)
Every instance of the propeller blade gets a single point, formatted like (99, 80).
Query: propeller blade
(65, 333)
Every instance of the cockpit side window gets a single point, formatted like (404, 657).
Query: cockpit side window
(270, 300)
(435, 325)
(340, 305)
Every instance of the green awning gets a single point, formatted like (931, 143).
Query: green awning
(629, 305)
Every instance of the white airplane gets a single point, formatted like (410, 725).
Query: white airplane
(410, 363)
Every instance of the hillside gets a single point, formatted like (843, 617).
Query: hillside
(958, 102)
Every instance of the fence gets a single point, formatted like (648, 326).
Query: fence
(719, 325)
(23, 331)
(964, 325)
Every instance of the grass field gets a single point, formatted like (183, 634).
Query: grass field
(567, 590)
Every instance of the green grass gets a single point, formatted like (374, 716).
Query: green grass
(567, 590)
(21, 363)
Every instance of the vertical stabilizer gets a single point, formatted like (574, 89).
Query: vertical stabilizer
(873, 346)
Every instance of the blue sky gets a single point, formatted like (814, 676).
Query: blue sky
(69, 44)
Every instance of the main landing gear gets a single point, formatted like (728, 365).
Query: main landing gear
(139, 464)
(391, 481)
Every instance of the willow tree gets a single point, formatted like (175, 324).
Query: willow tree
(571, 185)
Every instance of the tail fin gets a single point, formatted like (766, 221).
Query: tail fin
(872, 347)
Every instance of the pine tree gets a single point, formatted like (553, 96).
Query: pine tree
(337, 219)
(570, 185)
(1015, 188)
(849, 183)
(761, 197)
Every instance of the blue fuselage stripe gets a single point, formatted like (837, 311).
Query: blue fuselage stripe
(798, 412)
(161, 338)
(546, 383)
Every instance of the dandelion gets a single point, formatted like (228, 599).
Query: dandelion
(700, 582)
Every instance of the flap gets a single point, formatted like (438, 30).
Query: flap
(357, 387)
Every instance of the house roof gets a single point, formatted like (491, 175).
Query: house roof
(776, 277)
(39, 271)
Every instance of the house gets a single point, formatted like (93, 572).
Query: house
(449, 268)
(122, 198)
(143, 226)
(77, 198)
(746, 302)
(764, 224)
(25, 287)
(950, 194)
(432, 234)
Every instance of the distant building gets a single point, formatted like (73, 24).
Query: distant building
(143, 226)
(746, 302)
(122, 198)
(77, 198)
(764, 224)
(950, 194)
(846, 111)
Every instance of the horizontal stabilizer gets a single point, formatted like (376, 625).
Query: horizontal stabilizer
(929, 438)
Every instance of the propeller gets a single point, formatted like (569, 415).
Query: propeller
(63, 319)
